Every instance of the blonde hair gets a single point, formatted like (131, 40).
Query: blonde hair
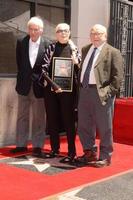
(37, 21)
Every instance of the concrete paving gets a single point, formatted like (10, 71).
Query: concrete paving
(118, 187)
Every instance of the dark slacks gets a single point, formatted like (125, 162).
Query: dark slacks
(60, 111)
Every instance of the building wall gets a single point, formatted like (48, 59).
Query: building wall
(8, 111)
(84, 15)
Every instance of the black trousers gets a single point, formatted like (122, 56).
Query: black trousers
(60, 109)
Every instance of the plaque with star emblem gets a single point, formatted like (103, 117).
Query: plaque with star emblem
(62, 73)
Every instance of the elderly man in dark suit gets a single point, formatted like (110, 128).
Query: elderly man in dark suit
(100, 79)
(29, 55)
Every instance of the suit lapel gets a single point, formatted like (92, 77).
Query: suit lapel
(84, 53)
(102, 54)
(27, 49)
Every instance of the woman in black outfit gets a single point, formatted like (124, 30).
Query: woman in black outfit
(60, 104)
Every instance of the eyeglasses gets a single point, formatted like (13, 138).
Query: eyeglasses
(61, 31)
(97, 34)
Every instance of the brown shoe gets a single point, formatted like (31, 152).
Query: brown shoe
(102, 163)
(88, 156)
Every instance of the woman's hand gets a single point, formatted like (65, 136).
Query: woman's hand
(58, 90)
(75, 59)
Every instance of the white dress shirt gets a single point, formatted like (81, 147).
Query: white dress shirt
(92, 79)
(33, 51)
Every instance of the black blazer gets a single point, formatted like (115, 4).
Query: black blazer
(25, 71)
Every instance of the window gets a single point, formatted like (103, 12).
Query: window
(14, 15)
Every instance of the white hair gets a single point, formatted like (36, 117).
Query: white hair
(37, 21)
(62, 26)
(99, 28)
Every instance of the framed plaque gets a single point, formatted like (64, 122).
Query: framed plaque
(62, 73)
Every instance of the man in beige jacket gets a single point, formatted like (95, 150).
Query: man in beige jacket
(99, 83)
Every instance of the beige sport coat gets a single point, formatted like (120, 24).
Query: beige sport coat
(108, 71)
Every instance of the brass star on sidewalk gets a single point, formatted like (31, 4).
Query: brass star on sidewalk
(40, 166)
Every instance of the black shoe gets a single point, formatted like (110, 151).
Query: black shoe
(68, 159)
(19, 150)
(52, 154)
(37, 152)
(101, 163)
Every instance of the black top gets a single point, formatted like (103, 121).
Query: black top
(61, 50)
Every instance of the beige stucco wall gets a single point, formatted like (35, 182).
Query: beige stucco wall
(86, 13)
(8, 111)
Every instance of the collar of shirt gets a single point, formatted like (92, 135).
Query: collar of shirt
(100, 47)
(37, 43)
(88, 57)
(33, 51)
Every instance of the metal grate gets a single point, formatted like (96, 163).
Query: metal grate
(121, 37)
